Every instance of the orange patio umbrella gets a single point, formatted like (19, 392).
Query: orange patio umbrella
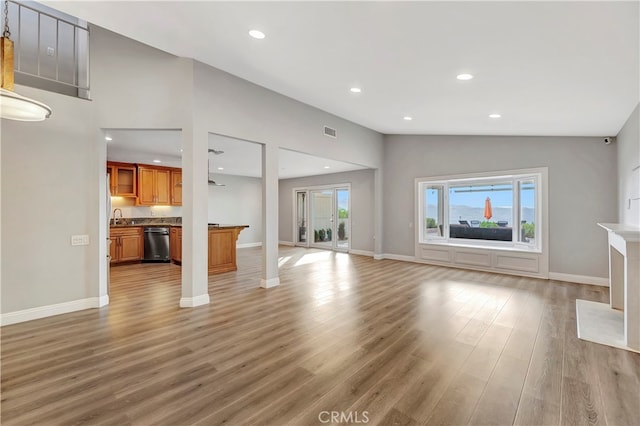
(488, 213)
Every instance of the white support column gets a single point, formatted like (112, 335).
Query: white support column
(377, 214)
(270, 277)
(104, 213)
(195, 204)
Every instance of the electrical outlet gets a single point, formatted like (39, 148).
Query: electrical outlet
(79, 240)
(51, 51)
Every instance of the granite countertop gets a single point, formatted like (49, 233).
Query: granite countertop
(225, 226)
(146, 221)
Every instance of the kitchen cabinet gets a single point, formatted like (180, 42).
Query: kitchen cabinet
(176, 187)
(154, 186)
(222, 248)
(175, 244)
(122, 179)
(127, 244)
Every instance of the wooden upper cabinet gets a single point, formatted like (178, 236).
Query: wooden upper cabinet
(163, 186)
(154, 186)
(151, 185)
(122, 179)
(146, 186)
(112, 178)
(176, 187)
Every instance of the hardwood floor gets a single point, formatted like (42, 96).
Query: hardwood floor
(389, 342)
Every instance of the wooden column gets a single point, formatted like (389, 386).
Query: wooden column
(6, 63)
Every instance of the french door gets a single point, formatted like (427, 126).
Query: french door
(323, 217)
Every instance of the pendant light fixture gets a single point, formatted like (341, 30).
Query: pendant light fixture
(12, 105)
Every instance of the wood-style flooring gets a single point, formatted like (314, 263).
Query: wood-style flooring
(376, 342)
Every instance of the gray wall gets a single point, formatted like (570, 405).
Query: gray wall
(361, 204)
(582, 188)
(628, 142)
(51, 171)
(230, 106)
(239, 202)
(49, 179)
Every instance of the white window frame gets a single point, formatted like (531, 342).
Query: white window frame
(514, 177)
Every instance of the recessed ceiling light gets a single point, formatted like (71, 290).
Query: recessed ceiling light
(356, 90)
(157, 161)
(220, 168)
(407, 118)
(108, 138)
(327, 167)
(495, 115)
(464, 76)
(257, 34)
(181, 150)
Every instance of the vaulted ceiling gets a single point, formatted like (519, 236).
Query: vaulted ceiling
(548, 68)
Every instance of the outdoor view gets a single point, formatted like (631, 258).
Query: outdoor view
(482, 211)
(323, 217)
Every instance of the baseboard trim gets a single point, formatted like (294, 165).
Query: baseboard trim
(580, 279)
(287, 243)
(51, 310)
(400, 257)
(378, 256)
(271, 282)
(103, 301)
(192, 302)
(247, 245)
(361, 252)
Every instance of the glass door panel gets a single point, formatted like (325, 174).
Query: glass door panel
(343, 224)
(301, 233)
(321, 208)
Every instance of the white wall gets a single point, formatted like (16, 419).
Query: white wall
(237, 203)
(582, 188)
(628, 143)
(362, 204)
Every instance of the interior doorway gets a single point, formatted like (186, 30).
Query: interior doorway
(323, 217)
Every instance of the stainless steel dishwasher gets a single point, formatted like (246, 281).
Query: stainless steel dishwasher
(156, 244)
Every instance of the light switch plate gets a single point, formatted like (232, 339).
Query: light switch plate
(79, 240)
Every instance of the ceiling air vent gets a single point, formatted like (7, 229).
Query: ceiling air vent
(332, 133)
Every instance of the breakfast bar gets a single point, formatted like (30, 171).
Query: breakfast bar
(128, 245)
(222, 247)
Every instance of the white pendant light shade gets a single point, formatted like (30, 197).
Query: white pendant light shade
(17, 107)
(12, 105)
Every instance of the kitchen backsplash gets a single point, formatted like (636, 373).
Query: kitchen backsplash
(130, 210)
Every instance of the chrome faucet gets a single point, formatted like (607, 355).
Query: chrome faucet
(115, 219)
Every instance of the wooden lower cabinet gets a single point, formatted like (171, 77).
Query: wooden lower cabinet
(222, 249)
(127, 244)
(175, 244)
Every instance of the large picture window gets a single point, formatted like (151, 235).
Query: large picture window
(494, 210)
